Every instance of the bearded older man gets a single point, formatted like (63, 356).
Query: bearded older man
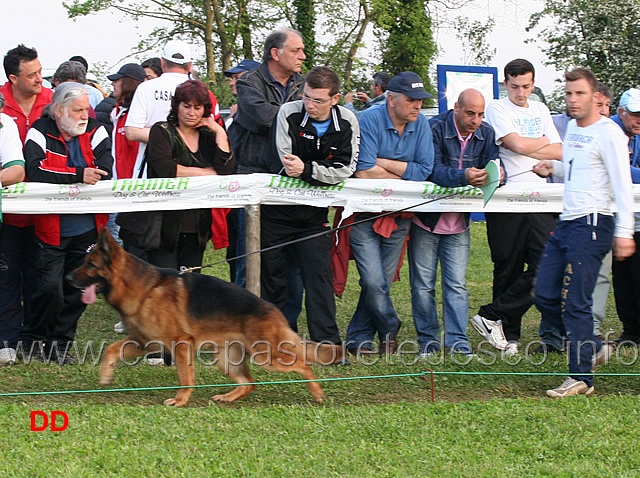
(65, 146)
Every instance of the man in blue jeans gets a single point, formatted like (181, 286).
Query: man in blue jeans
(595, 164)
(396, 143)
(463, 145)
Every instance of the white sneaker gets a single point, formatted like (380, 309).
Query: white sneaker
(491, 331)
(512, 348)
(603, 355)
(119, 328)
(8, 356)
(571, 387)
(156, 361)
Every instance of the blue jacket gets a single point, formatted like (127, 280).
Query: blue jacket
(481, 149)
(634, 149)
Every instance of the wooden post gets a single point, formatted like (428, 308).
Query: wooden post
(253, 244)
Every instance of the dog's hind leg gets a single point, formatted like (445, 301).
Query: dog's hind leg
(233, 364)
(284, 363)
(120, 350)
(183, 355)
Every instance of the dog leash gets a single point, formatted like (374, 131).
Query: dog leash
(184, 269)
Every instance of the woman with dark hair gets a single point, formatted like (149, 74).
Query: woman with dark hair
(189, 143)
(124, 151)
(152, 68)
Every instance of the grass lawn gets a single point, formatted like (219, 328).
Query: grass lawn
(480, 425)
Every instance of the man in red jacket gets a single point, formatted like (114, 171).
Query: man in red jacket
(25, 98)
(65, 146)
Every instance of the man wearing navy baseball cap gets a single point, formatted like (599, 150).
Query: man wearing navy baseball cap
(233, 74)
(395, 143)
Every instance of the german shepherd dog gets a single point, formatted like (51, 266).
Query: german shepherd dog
(185, 312)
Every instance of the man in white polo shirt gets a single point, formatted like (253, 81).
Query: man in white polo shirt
(152, 100)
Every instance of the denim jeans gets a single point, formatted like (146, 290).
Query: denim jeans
(564, 286)
(549, 335)
(377, 259)
(425, 249)
(113, 228)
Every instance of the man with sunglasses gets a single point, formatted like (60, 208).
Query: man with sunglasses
(316, 141)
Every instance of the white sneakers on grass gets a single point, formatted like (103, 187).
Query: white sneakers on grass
(603, 355)
(491, 331)
(513, 348)
(8, 356)
(571, 387)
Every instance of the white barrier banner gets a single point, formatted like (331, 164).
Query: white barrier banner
(356, 195)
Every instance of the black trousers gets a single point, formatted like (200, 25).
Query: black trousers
(313, 257)
(187, 253)
(56, 306)
(626, 290)
(18, 280)
(516, 242)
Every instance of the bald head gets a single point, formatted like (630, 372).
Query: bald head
(468, 111)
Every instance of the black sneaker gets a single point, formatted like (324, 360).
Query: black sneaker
(65, 359)
(546, 349)
(627, 340)
(342, 362)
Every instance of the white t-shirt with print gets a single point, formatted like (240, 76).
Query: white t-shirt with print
(533, 121)
(595, 164)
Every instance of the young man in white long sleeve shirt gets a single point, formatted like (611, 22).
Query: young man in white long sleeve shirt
(594, 165)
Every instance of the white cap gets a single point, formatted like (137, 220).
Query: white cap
(177, 51)
(631, 100)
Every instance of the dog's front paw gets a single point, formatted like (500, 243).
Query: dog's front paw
(106, 380)
(174, 402)
(221, 398)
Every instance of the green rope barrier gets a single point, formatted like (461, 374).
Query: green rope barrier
(211, 385)
(279, 382)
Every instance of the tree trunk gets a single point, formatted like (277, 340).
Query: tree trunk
(357, 42)
(208, 43)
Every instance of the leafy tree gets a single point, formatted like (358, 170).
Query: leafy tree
(215, 23)
(603, 36)
(409, 43)
(305, 22)
(473, 36)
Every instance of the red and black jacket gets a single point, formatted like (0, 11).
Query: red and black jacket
(46, 158)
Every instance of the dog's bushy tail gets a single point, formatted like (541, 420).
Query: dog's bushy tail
(323, 354)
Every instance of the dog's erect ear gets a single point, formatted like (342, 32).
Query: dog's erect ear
(104, 241)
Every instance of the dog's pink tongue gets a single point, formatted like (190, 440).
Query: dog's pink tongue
(89, 294)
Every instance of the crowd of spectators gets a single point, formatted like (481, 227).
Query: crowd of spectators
(161, 121)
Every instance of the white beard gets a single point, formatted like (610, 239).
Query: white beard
(74, 128)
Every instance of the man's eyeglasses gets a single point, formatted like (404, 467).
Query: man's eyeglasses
(314, 100)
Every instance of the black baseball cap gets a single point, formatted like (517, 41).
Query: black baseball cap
(410, 84)
(130, 70)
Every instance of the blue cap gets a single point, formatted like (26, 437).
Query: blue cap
(244, 65)
(410, 84)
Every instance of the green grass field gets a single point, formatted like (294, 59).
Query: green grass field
(480, 425)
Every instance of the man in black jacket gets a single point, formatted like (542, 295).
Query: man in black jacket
(260, 94)
(317, 142)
